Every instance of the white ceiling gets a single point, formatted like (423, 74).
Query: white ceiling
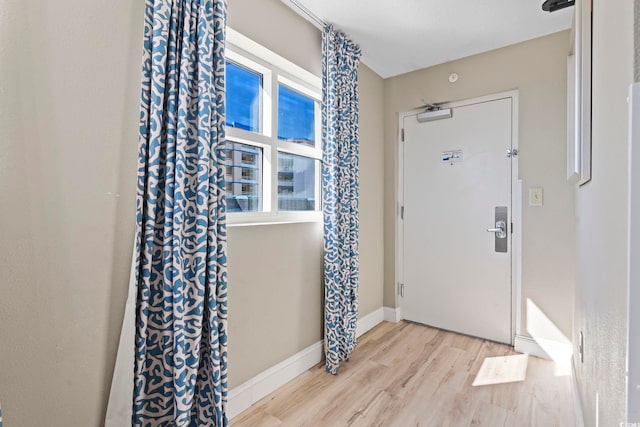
(399, 36)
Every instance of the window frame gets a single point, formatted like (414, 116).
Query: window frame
(275, 70)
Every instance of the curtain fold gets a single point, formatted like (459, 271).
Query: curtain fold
(180, 375)
(340, 193)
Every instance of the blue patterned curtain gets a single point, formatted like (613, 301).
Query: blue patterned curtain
(181, 266)
(340, 191)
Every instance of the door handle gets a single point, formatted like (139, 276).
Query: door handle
(500, 230)
(501, 241)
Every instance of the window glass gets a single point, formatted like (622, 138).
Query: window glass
(243, 174)
(296, 117)
(243, 88)
(296, 182)
(273, 150)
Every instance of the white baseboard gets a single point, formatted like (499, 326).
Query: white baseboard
(369, 321)
(577, 401)
(249, 392)
(391, 314)
(528, 345)
(544, 348)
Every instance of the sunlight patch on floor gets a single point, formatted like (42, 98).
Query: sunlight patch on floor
(504, 369)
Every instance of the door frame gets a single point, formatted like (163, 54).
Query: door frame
(516, 206)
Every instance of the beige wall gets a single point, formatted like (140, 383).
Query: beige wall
(275, 289)
(69, 96)
(275, 295)
(68, 137)
(68, 148)
(371, 190)
(294, 38)
(537, 68)
(601, 205)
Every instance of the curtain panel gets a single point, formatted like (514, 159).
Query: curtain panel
(340, 193)
(180, 376)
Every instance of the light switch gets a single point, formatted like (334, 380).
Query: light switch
(535, 196)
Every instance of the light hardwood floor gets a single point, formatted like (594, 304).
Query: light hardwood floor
(406, 374)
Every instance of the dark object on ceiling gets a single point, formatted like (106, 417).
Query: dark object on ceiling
(553, 5)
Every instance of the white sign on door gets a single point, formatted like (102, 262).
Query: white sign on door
(451, 156)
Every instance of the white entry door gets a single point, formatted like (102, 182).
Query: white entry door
(456, 172)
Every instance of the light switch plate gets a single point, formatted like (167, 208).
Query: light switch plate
(535, 196)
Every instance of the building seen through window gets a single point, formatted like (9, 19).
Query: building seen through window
(296, 182)
(243, 172)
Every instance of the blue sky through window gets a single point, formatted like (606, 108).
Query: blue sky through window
(243, 97)
(296, 121)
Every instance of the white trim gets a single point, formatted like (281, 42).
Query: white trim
(573, 139)
(236, 39)
(516, 219)
(305, 13)
(368, 322)
(248, 393)
(393, 315)
(516, 257)
(299, 150)
(399, 222)
(633, 274)
(301, 88)
(543, 348)
(578, 414)
(242, 219)
(583, 52)
(516, 203)
(527, 345)
(266, 93)
(254, 389)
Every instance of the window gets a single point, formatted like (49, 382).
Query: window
(243, 87)
(273, 131)
(243, 177)
(296, 183)
(296, 117)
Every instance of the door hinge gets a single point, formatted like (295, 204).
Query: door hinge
(401, 212)
(401, 289)
(511, 228)
(402, 134)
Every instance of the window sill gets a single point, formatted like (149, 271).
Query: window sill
(235, 219)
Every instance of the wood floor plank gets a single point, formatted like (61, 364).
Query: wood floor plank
(406, 374)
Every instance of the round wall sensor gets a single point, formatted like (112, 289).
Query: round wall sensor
(453, 77)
